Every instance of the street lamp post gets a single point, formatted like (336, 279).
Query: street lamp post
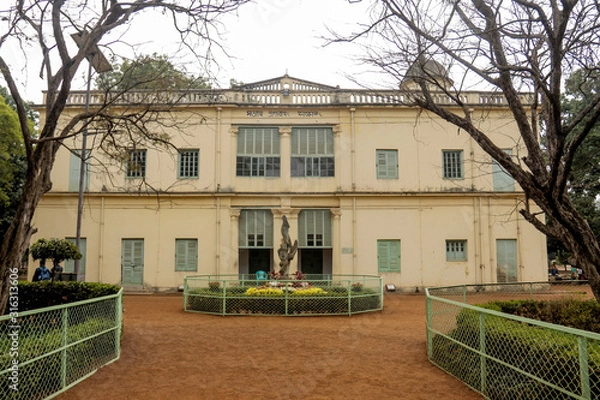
(100, 64)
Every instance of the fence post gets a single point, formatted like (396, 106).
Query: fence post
(584, 373)
(224, 296)
(429, 318)
(483, 353)
(63, 344)
(119, 311)
(185, 293)
(286, 294)
(349, 298)
(381, 293)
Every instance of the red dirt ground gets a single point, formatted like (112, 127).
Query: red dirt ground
(170, 354)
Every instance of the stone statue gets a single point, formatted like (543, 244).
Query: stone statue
(286, 251)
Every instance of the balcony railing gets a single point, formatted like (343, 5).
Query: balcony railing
(269, 96)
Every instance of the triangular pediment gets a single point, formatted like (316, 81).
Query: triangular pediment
(282, 83)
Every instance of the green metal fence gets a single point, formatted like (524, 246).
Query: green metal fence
(46, 351)
(260, 295)
(504, 356)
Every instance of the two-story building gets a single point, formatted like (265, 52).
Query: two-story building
(368, 185)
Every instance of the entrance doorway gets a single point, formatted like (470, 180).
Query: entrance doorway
(132, 262)
(315, 261)
(506, 256)
(259, 260)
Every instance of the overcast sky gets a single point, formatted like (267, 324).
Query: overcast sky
(275, 36)
(265, 39)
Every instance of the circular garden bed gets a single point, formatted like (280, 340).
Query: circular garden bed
(294, 296)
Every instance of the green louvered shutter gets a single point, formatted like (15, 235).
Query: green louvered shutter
(506, 255)
(388, 256)
(186, 255)
(387, 164)
(74, 168)
(502, 180)
(132, 259)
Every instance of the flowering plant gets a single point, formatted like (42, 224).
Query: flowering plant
(308, 292)
(299, 276)
(214, 285)
(262, 291)
(275, 275)
(357, 287)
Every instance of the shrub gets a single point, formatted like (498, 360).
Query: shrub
(33, 295)
(542, 352)
(579, 314)
(41, 379)
(277, 301)
(54, 249)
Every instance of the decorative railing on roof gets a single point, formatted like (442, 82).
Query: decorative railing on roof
(277, 97)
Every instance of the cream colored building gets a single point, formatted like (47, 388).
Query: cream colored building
(368, 185)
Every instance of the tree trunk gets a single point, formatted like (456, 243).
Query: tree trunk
(584, 248)
(570, 228)
(16, 242)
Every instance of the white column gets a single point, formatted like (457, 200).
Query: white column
(336, 242)
(285, 151)
(234, 229)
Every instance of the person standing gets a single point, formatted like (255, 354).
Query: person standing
(56, 272)
(41, 273)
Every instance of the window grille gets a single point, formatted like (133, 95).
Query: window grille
(453, 164)
(456, 250)
(136, 164)
(188, 163)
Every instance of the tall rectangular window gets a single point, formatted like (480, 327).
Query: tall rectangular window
(258, 152)
(136, 164)
(456, 250)
(312, 152)
(75, 169)
(69, 266)
(502, 180)
(256, 229)
(314, 228)
(188, 163)
(387, 164)
(186, 254)
(388, 255)
(453, 164)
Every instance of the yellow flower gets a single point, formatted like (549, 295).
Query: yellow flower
(309, 292)
(253, 291)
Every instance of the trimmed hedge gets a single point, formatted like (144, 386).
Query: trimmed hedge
(579, 314)
(547, 354)
(41, 379)
(42, 333)
(34, 295)
(331, 301)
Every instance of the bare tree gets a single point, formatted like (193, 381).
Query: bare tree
(512, 47)
(46, 26)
